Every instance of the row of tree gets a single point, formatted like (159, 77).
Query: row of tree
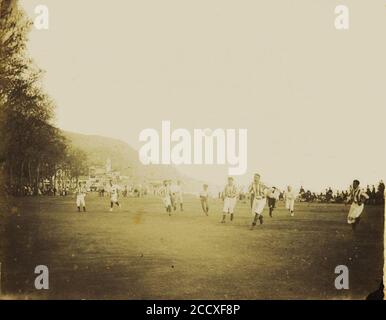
(32, 149)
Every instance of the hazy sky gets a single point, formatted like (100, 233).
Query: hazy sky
(312, 98)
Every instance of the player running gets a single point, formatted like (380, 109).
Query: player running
(178, 195)
(257, 189)
(204, 197)
(114, 195)
(80, 193)
(166, 195)
(290, 197)
(272, 196)
(230, 199)
(357, 198)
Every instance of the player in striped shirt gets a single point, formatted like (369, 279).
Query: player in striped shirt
(357, 198)
(257, 189)
(230, 199)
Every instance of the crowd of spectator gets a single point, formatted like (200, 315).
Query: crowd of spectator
(376, 195)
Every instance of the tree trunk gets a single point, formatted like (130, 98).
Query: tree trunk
(29, 173)
(21, 175)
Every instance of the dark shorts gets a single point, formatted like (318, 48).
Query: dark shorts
(271, 202)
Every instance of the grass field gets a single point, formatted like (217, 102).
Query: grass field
(139, 252)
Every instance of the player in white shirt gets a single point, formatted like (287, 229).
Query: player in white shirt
(204, 197)
(178, 195)
(114, 195)
(230, 199)
(80, 193)
(357, 198)
(290, 197)
(166, 196)
(258, 191)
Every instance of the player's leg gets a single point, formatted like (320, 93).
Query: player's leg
(169, 201)
(259, 209)
(83, 202)
(173, 202)
(352, 215)
(181, 201)
(203, 205)
(225, 209)
(255, 216)
(166, 204)
(111, 205)
(292, 208)
(356, 215)
(270, 206)
(356, 223)
(255, 219)
(78, 203)
(232, 208)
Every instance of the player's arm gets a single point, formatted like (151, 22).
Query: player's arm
(265, 190)
(363, 196)
(223, 194)
(236, 192)
(348, 200)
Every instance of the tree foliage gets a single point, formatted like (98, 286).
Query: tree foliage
(31, 148)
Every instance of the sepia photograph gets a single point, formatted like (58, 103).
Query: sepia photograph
(192, 150)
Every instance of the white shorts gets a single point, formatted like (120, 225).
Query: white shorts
(229, 205)
(355, 212)
(114, 198)
(290, 204)
(179, 198)
(80, 200)
(258, 206)
(167, 201)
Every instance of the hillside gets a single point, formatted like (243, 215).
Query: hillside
(99, 149)
(124, 159)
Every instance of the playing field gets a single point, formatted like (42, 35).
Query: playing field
(139, 252)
